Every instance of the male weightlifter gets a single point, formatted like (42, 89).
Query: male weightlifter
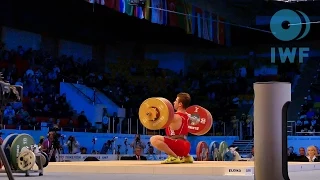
(175, 144)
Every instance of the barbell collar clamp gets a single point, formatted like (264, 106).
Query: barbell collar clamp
(194, 120)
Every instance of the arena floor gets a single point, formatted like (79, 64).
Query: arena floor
(134, 170)
(85, 176)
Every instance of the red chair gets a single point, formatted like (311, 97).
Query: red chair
(64, 122)
(42, 119)
(10, 126)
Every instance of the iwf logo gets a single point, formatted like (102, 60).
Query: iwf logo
(289, 25)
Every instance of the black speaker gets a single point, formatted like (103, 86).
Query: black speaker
(91, 159)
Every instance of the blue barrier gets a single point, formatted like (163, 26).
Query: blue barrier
(85, 139)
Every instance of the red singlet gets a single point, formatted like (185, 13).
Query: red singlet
(179, 146)
(183, 130)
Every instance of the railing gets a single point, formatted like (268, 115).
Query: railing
(126, 126)
(247, 146)
(291, 128)
(308, 133)
(91, 100)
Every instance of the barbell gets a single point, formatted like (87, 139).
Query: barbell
(19, 150)
(156, 113)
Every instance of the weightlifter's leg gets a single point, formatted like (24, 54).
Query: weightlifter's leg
(159, 143)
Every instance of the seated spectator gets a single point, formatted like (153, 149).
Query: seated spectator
(312, 154)
(291, 154)
(83, 150)
(302, 155)
(9, 115)
(19, 82)
(306, 123)
(251, 155)
(310, 114)
(299, 125)
(137, 155)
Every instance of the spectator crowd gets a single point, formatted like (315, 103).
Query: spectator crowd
(224, 87)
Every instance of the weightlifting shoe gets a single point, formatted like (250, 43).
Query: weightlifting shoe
(171, 160)
(187, 159)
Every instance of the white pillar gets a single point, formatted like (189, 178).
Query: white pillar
(270, 130)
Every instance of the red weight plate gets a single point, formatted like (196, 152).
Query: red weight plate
(208, 125)
(202, 151)
(170, 108)
(201, 113)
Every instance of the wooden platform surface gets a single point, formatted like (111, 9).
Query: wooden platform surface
(214, 168)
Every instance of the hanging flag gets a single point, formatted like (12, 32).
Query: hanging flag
(110, 4)
(215, 32)
(122, 6)
(197, 21)
(188, 10)
(205, 28)
(181, 17)
(138, 12)
(221, 34)
(146, 10)
(128, 8)
(101, 2)
(117, 5)
(157, 14)
(90, 1)
(164, 13)
(172, 16)
(194, 21)
(228, 34)
(210, 26)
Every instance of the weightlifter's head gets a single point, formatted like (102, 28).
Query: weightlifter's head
(182, 101)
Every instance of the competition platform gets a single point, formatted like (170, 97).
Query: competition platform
(213, 168)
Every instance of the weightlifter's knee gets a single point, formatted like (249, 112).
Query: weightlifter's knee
(156, 140)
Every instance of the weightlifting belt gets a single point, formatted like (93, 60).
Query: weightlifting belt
(182, 137)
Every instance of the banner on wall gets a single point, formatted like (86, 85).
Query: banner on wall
(82, 157)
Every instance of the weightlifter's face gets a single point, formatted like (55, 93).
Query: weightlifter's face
(177, 104)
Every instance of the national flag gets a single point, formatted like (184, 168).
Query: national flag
(156, 14)
(188, 10)
(196, 21)
(138, 12)
(146, 10)
(101, 2)
(122, 6)
(205, 28)
(228, 34)
(221, 33)
(210, 26)
(164, 13)
(110, 3)
(128, 8)
(181, 17)
(215, 33)
(172, 16)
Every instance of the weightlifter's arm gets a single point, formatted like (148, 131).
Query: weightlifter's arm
(176, 122)
(176, 118)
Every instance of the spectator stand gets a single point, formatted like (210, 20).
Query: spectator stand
(307, 123)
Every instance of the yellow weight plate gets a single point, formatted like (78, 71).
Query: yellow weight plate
(155, 113)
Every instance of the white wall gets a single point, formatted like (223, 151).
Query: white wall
(77, 50)
(168, 60)
(14, 38)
